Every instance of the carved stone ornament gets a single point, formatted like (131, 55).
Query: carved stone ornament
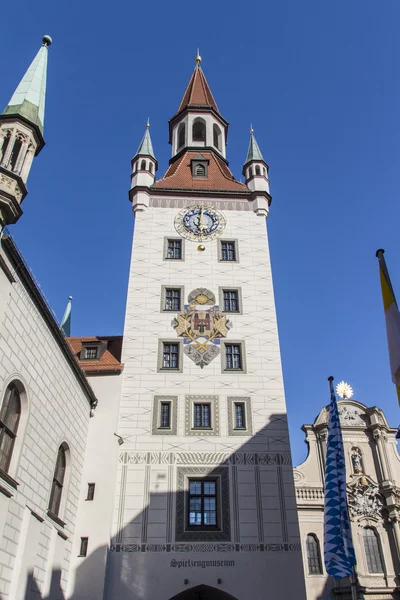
(201, 329)
(365, 500)
(350, 416)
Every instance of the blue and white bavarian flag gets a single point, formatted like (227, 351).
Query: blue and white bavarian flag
(339, 554)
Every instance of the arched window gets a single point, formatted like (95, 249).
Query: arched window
(9, 421)
(15, 153)
(250, 172)
(372, 551)
(258, 170)
(199, 130)
(6, 141)
(200, 171)
(143, 165)
(181, 135)
(135, 167)
(58, 481)
(217, 137)
(150, 167)
(264, 172)
(313, 555)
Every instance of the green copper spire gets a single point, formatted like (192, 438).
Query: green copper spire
(28, 99)
(146, 147)
(254, 152)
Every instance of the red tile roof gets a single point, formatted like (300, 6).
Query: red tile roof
(179, 176)
(109, 363)
(198, 92)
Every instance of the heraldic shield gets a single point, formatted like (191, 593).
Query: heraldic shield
(201, 328)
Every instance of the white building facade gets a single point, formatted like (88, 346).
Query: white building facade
(373, 478)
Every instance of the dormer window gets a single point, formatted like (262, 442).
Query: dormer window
(92, 350)
(217, 137)
(199, 130)
(200, 167)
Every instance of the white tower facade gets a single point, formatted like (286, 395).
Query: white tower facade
(205, 504)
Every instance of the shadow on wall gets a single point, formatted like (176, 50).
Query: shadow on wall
(267, 452)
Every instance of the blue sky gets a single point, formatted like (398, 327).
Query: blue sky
(320, 83)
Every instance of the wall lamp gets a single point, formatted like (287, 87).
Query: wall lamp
(120, 439)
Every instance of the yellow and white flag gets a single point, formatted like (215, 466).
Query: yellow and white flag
(392, 316)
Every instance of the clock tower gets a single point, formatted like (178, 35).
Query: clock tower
(205, 503)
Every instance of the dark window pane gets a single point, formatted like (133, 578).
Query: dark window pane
(202, 415)
(372, 551)
(91, 352)
(84, 546)
(172, 299)
(239, 416)
(165, 414)
(233, 356)
(228, 251)
(58, 482)
(55, 498)
(231, 301)
(199, 131)
(202, 511)
(90, 493)
(313, 555)
(170, 360)
(9, 421)
(174, 249)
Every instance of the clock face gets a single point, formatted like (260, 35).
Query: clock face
(200, 223)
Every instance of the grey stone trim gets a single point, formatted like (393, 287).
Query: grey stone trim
(164, 288)
(136, 457)
(221, 474)
(248, 431)
(235, 241)
(160, 357)
(228, 288)
(205, 547)
(156, 429)
(189, 402)
(165, 248)
(243, 356)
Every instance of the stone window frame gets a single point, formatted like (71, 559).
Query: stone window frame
(190, 401)
(156, 428)
(228, 288)
(99, 345)
(248, 430)
(160, 355)
(221, 475)
(242, 345)
(165, 248)
(163, 295)
(234, 241)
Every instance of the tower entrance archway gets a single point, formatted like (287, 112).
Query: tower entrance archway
(203, 592)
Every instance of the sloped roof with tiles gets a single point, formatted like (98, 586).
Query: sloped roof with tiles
(110, 361)
(198, 92)
(219, 178)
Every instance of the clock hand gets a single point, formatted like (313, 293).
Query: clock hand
(201, 226)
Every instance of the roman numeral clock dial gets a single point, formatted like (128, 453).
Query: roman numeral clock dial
(200, 223)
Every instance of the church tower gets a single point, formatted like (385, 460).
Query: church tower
(21, 135)
(205, 504)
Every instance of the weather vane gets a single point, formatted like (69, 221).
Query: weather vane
(344, 390)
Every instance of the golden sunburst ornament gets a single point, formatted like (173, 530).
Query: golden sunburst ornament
(344, 390)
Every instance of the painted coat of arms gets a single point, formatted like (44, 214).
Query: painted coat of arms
(201, 328)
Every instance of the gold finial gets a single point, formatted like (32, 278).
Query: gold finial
(251, 128)
(198, 58)
(148, 122)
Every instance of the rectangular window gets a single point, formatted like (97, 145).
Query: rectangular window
(165, 415)
(91, 352)
(233, 356)
(202, 504)
(231, 301)
(84, 546)
(240, 415)
(170, 356)
(202, 415)
(174, 249)
(90, 492)
(228, 251)
(172, 299)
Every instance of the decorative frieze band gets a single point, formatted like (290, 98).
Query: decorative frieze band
(205, 548)
(205, 458)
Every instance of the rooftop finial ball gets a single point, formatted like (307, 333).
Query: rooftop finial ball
(47, 41)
